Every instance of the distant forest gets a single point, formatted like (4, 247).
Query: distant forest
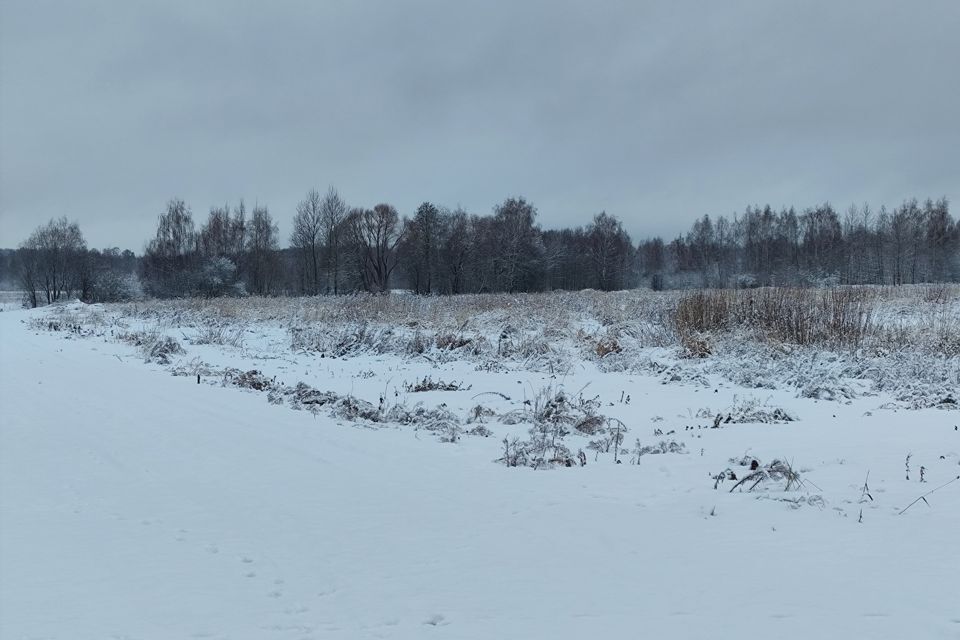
(338, 249)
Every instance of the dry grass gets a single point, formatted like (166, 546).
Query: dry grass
(778, 473)
(836, 317)
(601, 325)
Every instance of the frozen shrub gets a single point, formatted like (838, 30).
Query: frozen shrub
(661, 447)
(161, 350)
(827, 390)
(694, 346)
(195, 367)
(555, 407)
(835, 316)
(703, 311)
(429, 384)
(610, 440)
(514, 343)
(751, 411)
(451, 433)
(778, 474)
(479, 430)
(680, 374)
(219, 334)
(451, 342)
(590, 424)
(745, 461)
(115, 286)
(600, 346)
(927, 396)
(436, 419)
(514, 453)
(219, 277)
(252, 379)
(478, 413)
(554, 416)
(350, 408)
(546, 448)
(154, 346)
(417, 344)
(349, 339)
(305, 396)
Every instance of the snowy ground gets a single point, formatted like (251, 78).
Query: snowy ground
(139, 504)
(10, 300)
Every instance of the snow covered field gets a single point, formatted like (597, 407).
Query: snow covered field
(10, 300)
(327, 495)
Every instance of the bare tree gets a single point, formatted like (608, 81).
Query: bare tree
(222, 244)
(53, 260)
(610, 249)
(519, 257)
(376, 233)
(224, 234)
(333, 214)
(421, 248)
(262, 252)
(307, 240)
(456, 251)
(938, 235)
(171, 260)
(28, 272)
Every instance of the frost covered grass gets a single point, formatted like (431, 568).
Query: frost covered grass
(897, 344)
(831, 344)
(552, 465)
(11, 300)
(921, 317)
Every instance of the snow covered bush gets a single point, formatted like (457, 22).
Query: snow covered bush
(154, 346)
(114, 286)
(664, 446)
(776, 475)
(838, 316)
(752, 411)
(429, 384)
(252, 379)
(219, 277)
(219, 333)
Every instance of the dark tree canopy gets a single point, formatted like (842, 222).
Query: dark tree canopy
(336, 249)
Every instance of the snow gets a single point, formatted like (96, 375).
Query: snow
(139, 504)
(10, 300)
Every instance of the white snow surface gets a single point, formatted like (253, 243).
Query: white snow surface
(137, 504)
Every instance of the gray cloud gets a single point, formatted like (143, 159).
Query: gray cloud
(656, 112)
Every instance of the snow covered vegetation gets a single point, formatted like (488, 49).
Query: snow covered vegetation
(538, 465)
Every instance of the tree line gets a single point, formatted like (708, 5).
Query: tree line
(54, 264)
(910, 244)
(335, 248)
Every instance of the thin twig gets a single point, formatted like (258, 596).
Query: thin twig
(496, 393)
(865, 489)
(924, 496)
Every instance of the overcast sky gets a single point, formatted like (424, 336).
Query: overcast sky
(655, 112)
